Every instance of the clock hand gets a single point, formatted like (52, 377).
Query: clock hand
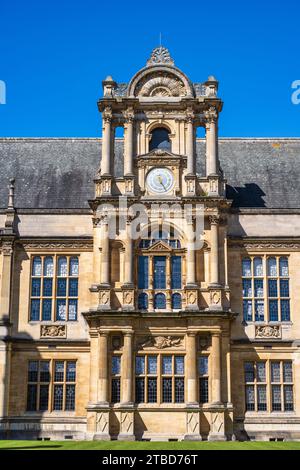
(160, 180)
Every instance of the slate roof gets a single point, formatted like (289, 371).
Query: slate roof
(58, 173)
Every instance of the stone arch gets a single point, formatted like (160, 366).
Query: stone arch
(161, 82)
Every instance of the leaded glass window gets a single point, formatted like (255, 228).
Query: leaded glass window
(179, 390)
(274, 387)
(143, 301)
(167, 390)
(140, 365)
(160, 301)
(176, 301)
(54, 288)
(266, 291)
(41, 381)
(167, 366)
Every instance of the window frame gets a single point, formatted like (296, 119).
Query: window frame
(54, 297)
(268, 383)
(51, 385)
(266, 298)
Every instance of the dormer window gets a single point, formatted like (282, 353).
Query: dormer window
(160, 139)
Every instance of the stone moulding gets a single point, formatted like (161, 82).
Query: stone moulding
(58, 245)
(53, 331)
(268, 332)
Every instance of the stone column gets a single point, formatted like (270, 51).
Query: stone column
(191, 369)
(211, 142)
(127, 370)
(214, 224)
(216, 368)
(128, 279)
(106, 142)
(191, 255)
(94, 367)
(217, 409)
(190, 145)
(128, 142)
(105, 255)
(103, 369)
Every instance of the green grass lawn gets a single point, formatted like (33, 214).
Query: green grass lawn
(119, 445)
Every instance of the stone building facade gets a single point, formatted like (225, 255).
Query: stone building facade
(107, 335)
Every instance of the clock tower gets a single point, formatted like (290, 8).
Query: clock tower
(161, 296)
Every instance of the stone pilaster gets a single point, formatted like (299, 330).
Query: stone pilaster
(5, 346)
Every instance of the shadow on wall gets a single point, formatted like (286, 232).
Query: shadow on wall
(251, 195)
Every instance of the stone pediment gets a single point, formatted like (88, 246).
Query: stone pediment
(159, 246)
(160, 153)
(160, 157)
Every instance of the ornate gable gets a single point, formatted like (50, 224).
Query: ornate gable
(159, 246)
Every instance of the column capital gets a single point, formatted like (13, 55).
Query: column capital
(107, 115)
(7, 247)
(103, 333)
(129, 115)
(216, 334)
(128, 334)
(211, 115)
(192, 334)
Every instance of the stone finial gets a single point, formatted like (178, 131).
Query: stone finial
(108, 86)
(11, 194)
(160, 56)
(212, 86)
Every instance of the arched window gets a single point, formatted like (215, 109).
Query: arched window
(143, 301)
(160, 139)
(176, 301)
(160, 301)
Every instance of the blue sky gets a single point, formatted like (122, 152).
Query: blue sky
(55, 54)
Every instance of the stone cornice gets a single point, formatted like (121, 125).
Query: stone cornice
(59, 244)
(276, 243)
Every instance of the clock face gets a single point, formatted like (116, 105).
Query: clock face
(160, 180)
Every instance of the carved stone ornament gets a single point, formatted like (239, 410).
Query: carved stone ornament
(160, 84)
(107, 114)
(160, 55)
(53, 331)
(161, 342)
(102, 422)
(268, 332)
(7, 248)
(215, 297)
(58, 245)
(104, 297)
(192, 297)
(128, 297)
(211, 115)
(192, 423)
(126, 422)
